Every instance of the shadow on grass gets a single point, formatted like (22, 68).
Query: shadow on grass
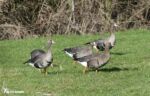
(113, 69)
(116, 69)
(118, 53)
(64, 72)
(54, 72)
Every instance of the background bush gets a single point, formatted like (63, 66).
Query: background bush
(21, 18)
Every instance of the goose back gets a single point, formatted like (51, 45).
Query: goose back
(37, 52)
(80, 51)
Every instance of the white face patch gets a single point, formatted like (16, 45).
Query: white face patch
(94, 45)
(69, 54)
(83, 63)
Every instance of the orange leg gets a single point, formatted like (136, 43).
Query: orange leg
(41, 70)
(85, 70)
(45, 71)
(74, 62)
(96, 70)
(97, 50)
(52, 65)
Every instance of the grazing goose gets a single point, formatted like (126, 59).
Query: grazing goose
(95, 61)
(99, 44)
(41, 59)
(78, 52)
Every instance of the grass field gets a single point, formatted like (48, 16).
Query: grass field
(126, 74)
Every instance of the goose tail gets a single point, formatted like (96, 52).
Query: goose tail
(27, 61)
(87, 43)
(67, 49)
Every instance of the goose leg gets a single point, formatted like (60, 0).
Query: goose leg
(52, 65)
(96, 70)
(45, 71)
(85, 70)
(41, 70)
(74, 62)
(97, 50)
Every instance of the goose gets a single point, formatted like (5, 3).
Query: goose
(41, 59)
(78, 52)
(95, 61)
(99, 44)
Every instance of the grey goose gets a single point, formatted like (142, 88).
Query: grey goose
(99, 44)
(41, 59)
(95, 61)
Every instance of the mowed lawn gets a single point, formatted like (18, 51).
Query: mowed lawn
(126, 74)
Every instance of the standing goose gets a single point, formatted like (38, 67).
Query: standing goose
(95, 61)
(99, 44)
(78, 52)
(41, 59)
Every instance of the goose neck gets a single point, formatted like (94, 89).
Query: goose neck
(106, 51)
(112, 33)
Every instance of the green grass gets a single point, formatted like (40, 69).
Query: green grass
(126, 74)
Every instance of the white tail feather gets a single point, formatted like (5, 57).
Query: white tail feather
(31, 64)
(83, 63)
(69, 54)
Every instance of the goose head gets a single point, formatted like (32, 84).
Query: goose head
(115, 26)
(49, 43)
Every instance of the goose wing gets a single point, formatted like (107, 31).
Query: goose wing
(82, 53)
(39, 61)
(87, 58)
(76, 49)
(37, 52)
(79, 51)
(98, 61)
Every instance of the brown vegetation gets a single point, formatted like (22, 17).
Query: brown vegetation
(21, 18)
